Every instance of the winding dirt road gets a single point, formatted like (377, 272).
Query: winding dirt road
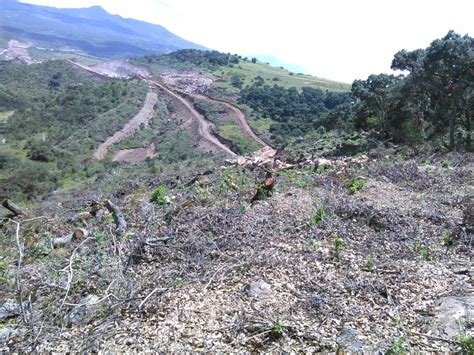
(205, 127)
(142, 117)
(239, 115)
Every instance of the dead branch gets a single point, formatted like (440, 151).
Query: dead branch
(70, 273)
(18, 270)
(149, 295)
(120, 224)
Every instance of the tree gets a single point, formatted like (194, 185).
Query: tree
(440, 83)
(254, 60)
(237, 80)
(374, 93)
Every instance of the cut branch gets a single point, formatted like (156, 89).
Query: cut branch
(120, 224)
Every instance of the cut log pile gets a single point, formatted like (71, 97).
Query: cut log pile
(270, 159)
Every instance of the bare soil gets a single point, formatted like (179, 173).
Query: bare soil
(205, 128)
(18, 51)
(135, 155)
(376, 264)
(239, 117)
(141, 118)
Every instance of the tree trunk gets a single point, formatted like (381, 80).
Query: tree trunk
(451, 129)
(468, 134)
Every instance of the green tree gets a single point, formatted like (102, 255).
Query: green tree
(375, 94)
(237, 80)
(440, 82)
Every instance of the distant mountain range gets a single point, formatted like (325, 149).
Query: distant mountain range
(90, 30)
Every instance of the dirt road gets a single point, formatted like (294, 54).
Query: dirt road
(239, 115)
(205, 127)
(142, 117)
(135, 155)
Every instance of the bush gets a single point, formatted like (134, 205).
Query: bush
(356, 184)
(158, 196)
(317, 217)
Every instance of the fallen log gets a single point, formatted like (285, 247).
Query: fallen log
(16, 210)
(61, 242)
(120, 224)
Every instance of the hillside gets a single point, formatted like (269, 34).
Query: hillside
(90, 31)
(204, 201)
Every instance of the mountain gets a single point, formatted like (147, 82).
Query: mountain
(91, 30)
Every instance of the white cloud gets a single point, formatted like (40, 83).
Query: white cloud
(337, 39)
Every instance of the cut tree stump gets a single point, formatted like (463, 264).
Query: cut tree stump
(120, 224)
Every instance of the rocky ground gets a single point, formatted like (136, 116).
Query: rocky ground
(366, 254)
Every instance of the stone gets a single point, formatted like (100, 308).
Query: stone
(83, 313)
(5, 334)
(9, 309)
(453, 315)
(260, 289)
(348, 340)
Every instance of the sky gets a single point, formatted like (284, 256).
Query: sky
(335, 39)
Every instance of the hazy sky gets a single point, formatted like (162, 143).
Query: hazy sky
(336, 39)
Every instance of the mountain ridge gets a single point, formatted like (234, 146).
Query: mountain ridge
(92, 30)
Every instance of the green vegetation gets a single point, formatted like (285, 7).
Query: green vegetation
(397, 347)
(466, 343)
(277, 330)
(3, 272)
(233, 133)
(294, 113)
(356, 184)
(186, 57)
(434, 101)
(54, 119)
(159, 196)
(370, 263)
(423, 250)
(317, 217)
(338, 245)
(265, 74)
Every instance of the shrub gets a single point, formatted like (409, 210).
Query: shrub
(277, 330)
(317, 217)
(356, 184)
(370, 263)
(397, 347)
(158, 196)
(466, 343)
(338, 246)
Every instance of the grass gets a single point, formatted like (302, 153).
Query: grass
(273, 75)
(261, 125)
(233, 133)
